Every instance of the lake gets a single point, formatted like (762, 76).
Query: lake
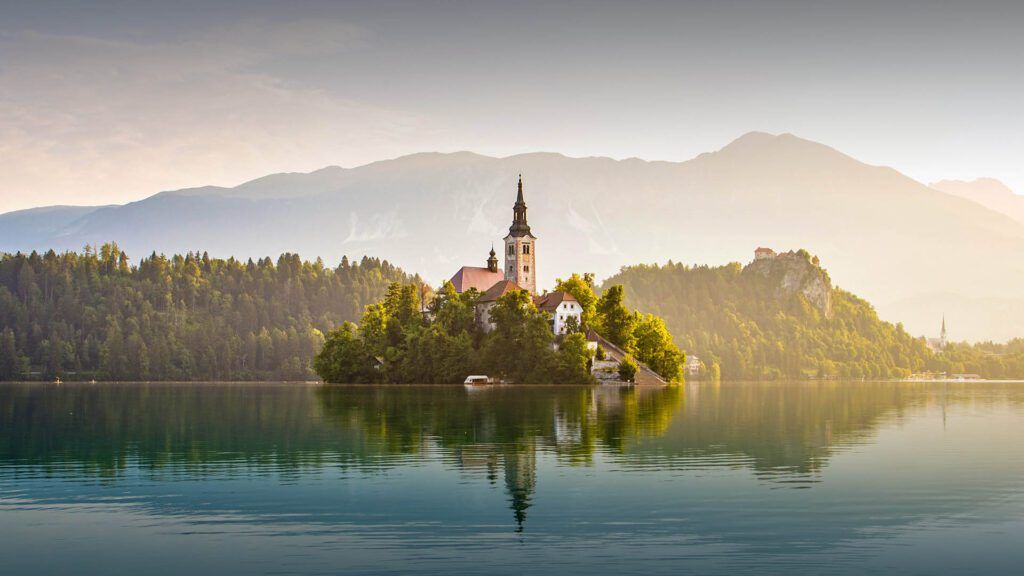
(731, 478)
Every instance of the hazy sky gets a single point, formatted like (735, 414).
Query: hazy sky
(104, 102)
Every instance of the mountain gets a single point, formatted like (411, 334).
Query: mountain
(887, 237)
(40, 226)
(988, 192)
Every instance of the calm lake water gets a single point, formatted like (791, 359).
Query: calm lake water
(794, 478)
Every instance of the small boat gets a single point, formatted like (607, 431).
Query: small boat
(57, 380)
(478, 381)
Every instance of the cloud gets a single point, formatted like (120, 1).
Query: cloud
(89, 120)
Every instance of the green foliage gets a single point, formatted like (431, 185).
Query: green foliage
(519, 347)
(654, 347)
(582, 289)
(991, 360)
(742, 323)
(715, 372)
(448, 346)
(627, 369)
(185, 317)
(345, 358)
(613, 320)
(573, 361)
(599, 354)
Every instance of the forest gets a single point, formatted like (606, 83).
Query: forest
(95, 315)
(742, 326)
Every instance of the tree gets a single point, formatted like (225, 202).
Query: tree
(654, 347)
(627, 369)
(614, 320)
(8, 355)
(574, 360)
(582, 289)
(519, 347)
(344, 358)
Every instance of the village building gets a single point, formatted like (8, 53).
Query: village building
(519, 272)
(489, 299)
(563, 308)
(693, 365)
(763, 253)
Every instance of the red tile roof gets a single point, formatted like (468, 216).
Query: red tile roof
(474, 277)
(550, 302)
(499, 290)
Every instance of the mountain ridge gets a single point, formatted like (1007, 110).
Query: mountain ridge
(887, 236)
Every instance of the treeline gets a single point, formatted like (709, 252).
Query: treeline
(988, 359)
(186, 317)
(742, 326)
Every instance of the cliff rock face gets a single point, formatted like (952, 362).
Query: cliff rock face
(796, 272)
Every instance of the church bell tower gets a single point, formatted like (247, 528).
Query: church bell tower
(521, 247)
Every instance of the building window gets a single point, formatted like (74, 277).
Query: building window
(511, 250)
(526, 248)
(526, 268)
(511, 268)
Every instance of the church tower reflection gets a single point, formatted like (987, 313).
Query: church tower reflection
(520, 480)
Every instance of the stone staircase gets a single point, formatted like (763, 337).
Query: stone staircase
(644, 375)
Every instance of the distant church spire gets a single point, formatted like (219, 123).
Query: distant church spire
(942, 335)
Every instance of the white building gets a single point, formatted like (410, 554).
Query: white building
(561, 306)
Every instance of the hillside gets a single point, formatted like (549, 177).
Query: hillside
(891, 239)
(773, 318)
(186, 317)
(782, 318)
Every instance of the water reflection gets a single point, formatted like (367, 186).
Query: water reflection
(499, 430)
(702, 473)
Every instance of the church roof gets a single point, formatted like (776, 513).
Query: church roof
(551, 301)
(475, 277)
(499, 290)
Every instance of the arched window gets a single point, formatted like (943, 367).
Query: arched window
(511, 250)
(526, 248)
(526, 268)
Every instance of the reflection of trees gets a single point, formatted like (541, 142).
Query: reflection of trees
(503, 427)
(103, 428)
(196, 430)
(781, 427)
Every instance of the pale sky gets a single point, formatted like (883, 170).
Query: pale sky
(109, 102)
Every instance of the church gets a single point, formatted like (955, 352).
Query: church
(519, 272)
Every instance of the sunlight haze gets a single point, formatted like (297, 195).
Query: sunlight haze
(109, 102)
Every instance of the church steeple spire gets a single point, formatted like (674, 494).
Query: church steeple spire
(521, 247)
(519, 226)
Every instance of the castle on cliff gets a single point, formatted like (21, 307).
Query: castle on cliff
(519, 272)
